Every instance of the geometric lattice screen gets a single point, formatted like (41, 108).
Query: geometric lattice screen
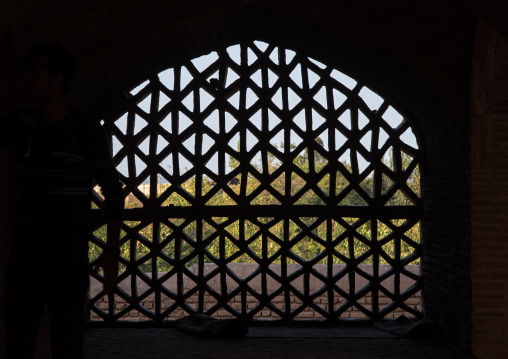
(259, 180)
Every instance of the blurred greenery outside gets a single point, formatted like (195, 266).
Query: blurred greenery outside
(263, 238)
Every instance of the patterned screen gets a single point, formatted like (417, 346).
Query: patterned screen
(262, 183)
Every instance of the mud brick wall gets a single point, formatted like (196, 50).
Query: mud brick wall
(446, 253)
(489, 194)
(242, 270)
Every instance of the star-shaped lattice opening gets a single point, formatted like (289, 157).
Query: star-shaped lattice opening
(258, 154)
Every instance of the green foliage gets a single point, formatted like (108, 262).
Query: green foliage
(264, 238)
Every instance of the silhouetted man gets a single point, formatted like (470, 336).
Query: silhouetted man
(58, 152)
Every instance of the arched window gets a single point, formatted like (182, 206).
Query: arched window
(262, 183)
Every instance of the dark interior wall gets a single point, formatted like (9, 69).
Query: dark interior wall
(489, 201)
(7, 174)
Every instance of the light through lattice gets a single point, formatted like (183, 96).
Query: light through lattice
(257, 154)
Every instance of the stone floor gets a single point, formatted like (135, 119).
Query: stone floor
(261, 342)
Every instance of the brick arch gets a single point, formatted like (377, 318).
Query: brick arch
(442, 135)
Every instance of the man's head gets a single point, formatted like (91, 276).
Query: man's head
(49, 70)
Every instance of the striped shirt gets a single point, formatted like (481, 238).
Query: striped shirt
(57, 164)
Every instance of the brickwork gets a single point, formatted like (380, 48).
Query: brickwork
(489, 181)
(446, 253)
(264, 313)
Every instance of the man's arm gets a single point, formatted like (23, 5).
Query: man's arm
(106, 176)
(108, 261)
(113, 216)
